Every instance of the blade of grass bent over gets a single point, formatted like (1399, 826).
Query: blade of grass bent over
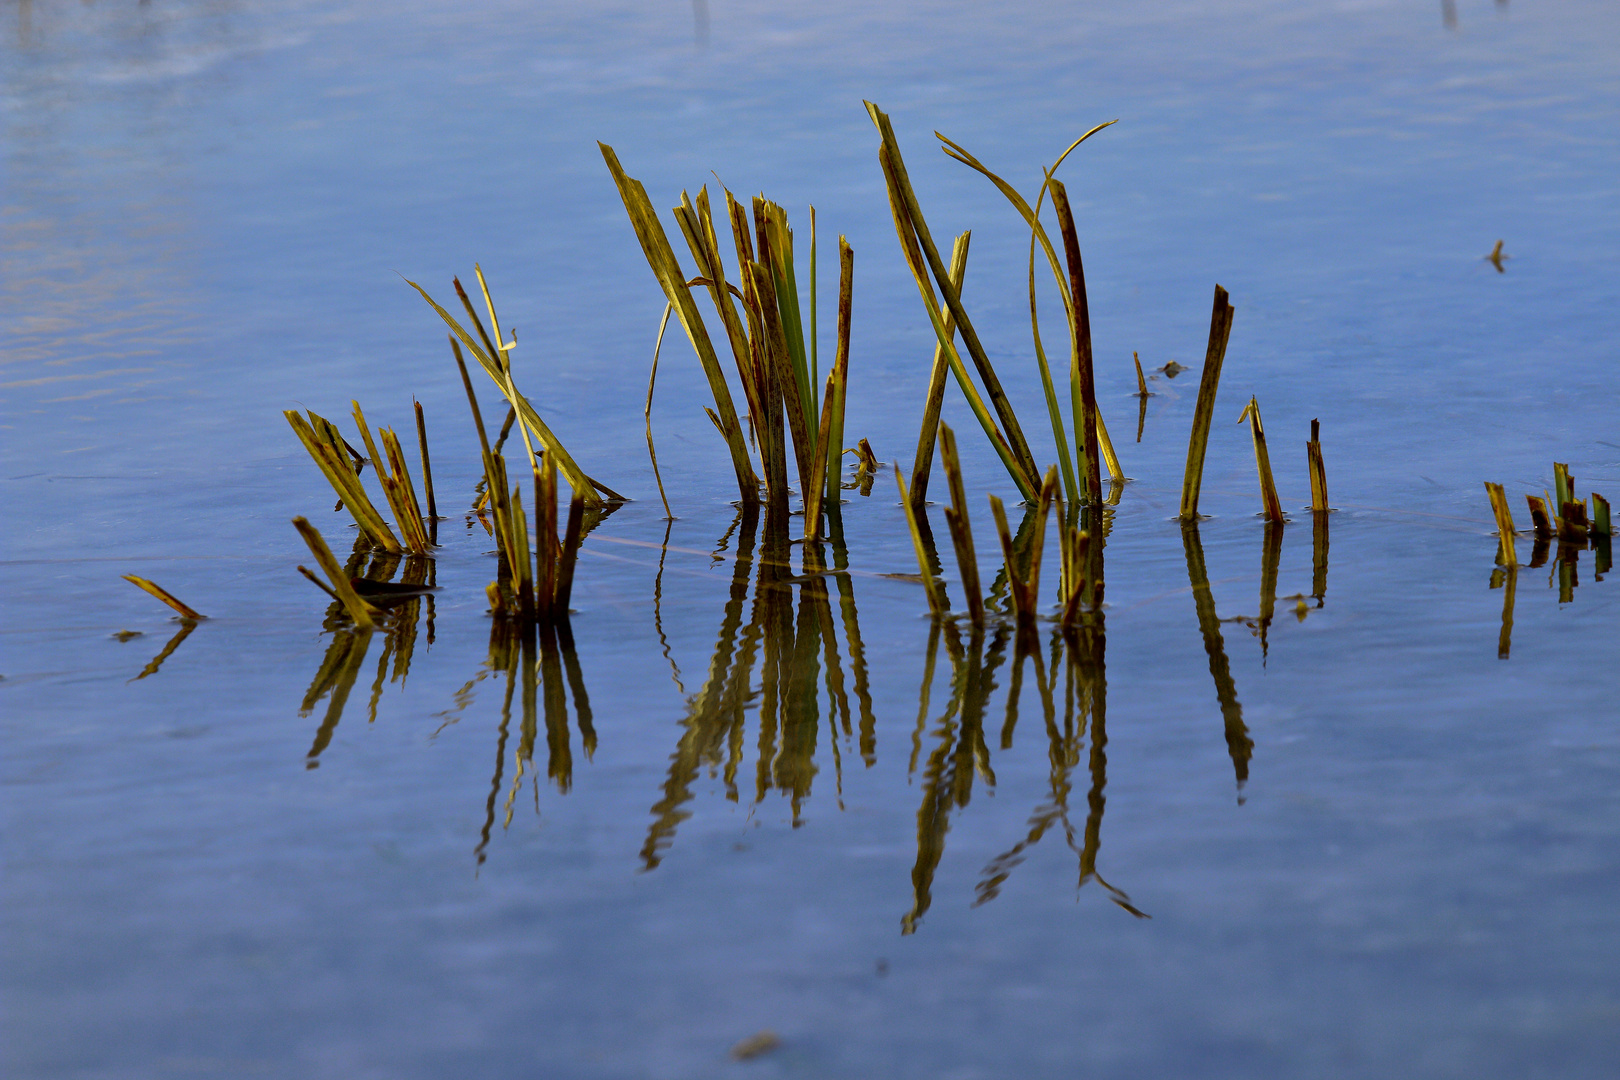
(358, 609)
(162, 594)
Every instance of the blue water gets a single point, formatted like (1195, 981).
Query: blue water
(204, 212)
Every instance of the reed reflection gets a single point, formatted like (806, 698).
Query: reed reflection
(1238, 743)
(406, 601)
(781, 624)
(186, 627)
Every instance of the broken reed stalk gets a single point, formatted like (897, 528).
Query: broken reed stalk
(1572, 523)
(931, 585)
(923, 259)
(1270, 505)
(1313, 459)
(1081, 373)
(495, 360)
(1563, 486)
(359, 611)
(184, 611)
(1025, 593)
(1507, 554)
(1220, 332)
(1141, 383)
(1539, 521)
(928, 433)
(1600, 515)
(956, 516)
(330, 453)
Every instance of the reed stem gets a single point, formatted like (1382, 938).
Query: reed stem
(1220, 331)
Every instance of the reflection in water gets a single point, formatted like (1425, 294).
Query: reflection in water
(1238, 743)
(1509, 577)
(186, 627)
(340, 668)
(796, 648)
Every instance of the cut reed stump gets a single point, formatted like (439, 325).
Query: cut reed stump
(1270, 505)
(1313, 460)
(1507, 555)
(1220, 331)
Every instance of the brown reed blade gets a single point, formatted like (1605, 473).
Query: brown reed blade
(1313, 459)
(833, 451)
(1507, 554)
(547, 549)
(427, 466)
(1600, 515)
(164, 595)
(936, 595)
(1080, 358)
(661, 258)
(1538, 517)
(359, 611)
(1141, 383)
(1572, 523)
(956, 516)
(929, 431)
(1270, 505)
(319, 584)
(1220, 332)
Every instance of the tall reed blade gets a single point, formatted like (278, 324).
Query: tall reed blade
(928, 433)
(1220, 331)
(427, 473)
(1313, 459)
(900, 183)
(1080, 360)
(908, 237)
(931, 585)
(831, 447)
(1270, 505)
(956, 516)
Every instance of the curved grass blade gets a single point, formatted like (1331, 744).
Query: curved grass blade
(162, 594)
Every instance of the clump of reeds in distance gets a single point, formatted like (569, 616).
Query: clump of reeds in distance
(773, 345)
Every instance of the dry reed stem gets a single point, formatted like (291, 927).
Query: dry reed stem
(1270, 505)
(1313, 459)
(427, 466)
(1538, 517)
(359, 611)
(1141, 383)
(832, 453)
(1220, 332)
(936, 597)
(164, 595)
(956, 517)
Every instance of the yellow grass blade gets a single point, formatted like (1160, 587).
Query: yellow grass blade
(163, 595)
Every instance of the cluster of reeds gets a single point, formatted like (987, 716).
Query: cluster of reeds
(773, 340)
(1572, 524)
(1021, 557)
(341, 464)
(1082, 470)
